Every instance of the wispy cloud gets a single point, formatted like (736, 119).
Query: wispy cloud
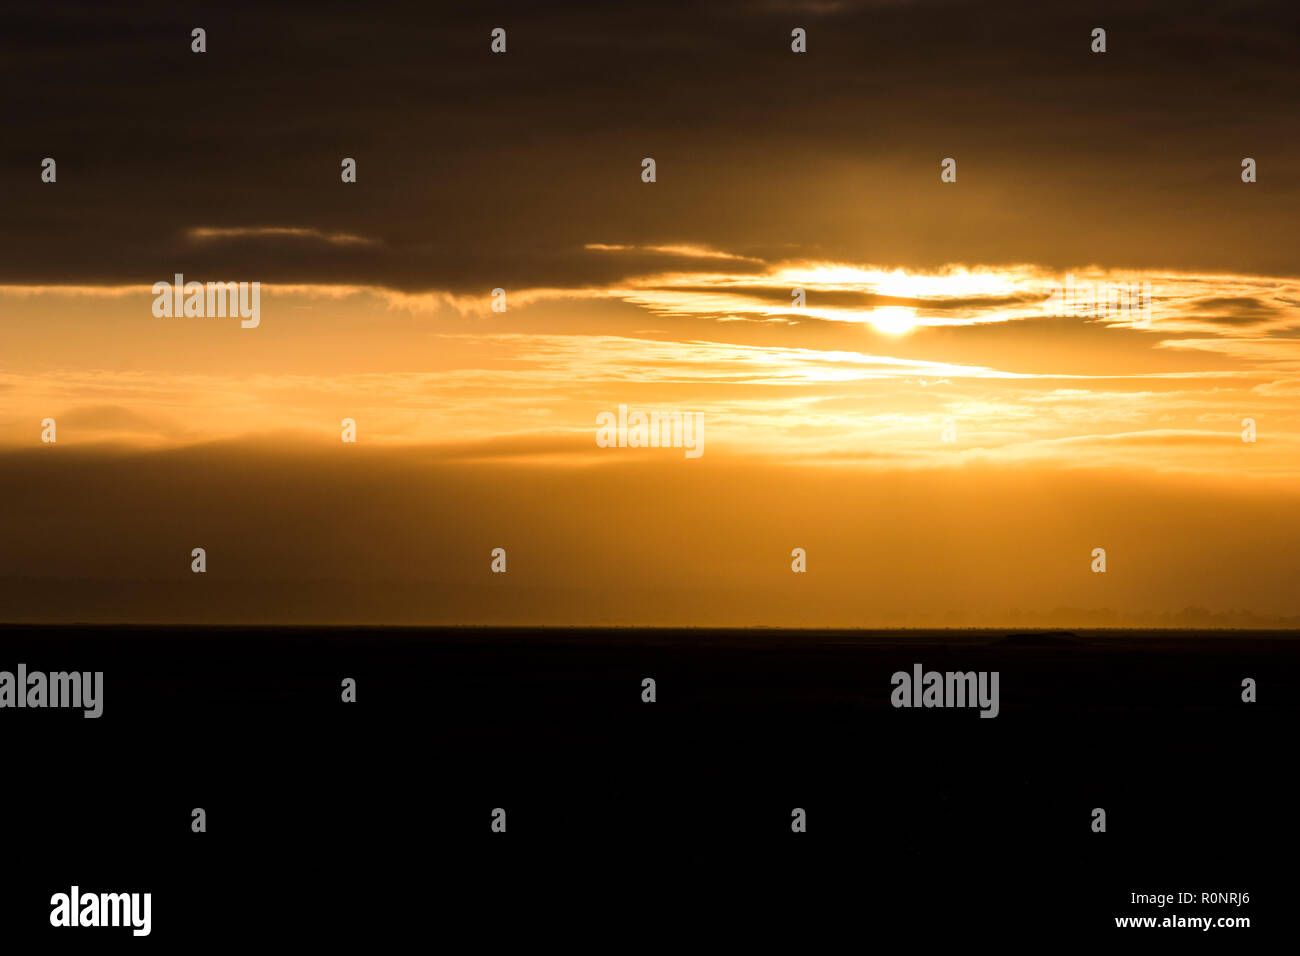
(832, 383)
(215, 234)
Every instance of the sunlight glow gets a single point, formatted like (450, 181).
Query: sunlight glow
(893, 319)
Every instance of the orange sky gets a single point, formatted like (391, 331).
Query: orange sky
(477, 430)
(868, 371)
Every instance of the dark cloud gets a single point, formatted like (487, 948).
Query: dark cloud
(404, 536)
(478, 170)
(1234, 310)
(850, 299)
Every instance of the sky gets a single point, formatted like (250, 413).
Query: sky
(886, 370)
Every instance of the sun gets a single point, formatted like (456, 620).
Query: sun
(893, 319)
